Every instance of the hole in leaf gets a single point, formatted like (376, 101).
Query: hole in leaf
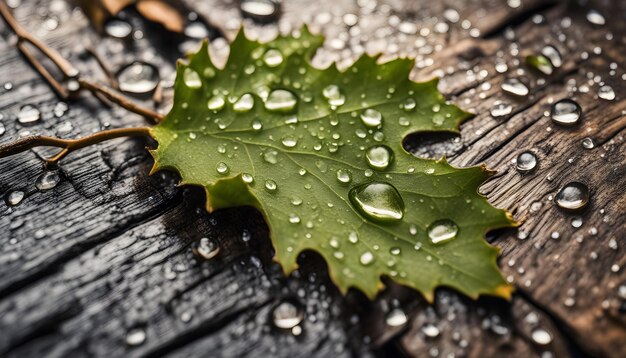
(433, 145)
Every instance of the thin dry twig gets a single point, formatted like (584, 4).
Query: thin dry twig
(69, 145)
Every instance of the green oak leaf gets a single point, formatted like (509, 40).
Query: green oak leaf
(271, 131)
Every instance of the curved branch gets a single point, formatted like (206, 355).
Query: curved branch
(124, 102)
(68, 145)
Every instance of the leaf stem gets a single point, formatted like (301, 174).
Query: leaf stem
(68, 70)
(69, 145)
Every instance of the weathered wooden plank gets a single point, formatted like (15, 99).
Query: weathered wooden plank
(114, 236)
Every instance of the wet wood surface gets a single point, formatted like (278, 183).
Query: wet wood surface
(109, 249)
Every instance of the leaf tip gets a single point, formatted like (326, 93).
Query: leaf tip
(504, 290)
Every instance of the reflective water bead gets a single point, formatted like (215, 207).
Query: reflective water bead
(118, 28)
(14, 197)
(247, 178)
(47, 180)
(294, 219)
(588, 143)
(271, 156)
(566, 112)
(526, 161)
(541, 336)
(396, 318)
(500, 109)
(596, 18)
(379, 156)
(281, 101)
(371, 118)
(409, 104)
(135, 336)
(272, 58)
(28, 115)
(289, 141)
(222, 168)
(378, 201)
(343, 176)
(553, 55)
(270, 185)
(206, 248)
(287, 315)
(366, 258)
(191, 78)
(607, 93)
(244, 104)
(515, 86)
(573, 196)
(442, 231)
(260, 10)
(216, 103)
(334, 96)
(138, 78)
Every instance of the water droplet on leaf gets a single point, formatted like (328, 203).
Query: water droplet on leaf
(442, 231)
(371, 118)
(378, 201)
(281, 101)
(191, 78)
(379, 157)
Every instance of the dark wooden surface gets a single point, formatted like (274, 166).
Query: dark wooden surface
(109, 249)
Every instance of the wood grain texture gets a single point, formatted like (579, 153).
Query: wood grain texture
(110, 248)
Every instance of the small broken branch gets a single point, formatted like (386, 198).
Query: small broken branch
(68, 145)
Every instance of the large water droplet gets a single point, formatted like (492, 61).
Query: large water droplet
(607, 93)
(222, 168)
(366, 258)
(244, 104)
(135, 336)
(378, 201)
(379, 156)
(191, 78)
(118, 28)
(526, 162)
(334, 96)
(344, 176)
(573, 196)
(138, 78)
(371, 118)
(47, 180)
(247, 178)
(206, 248)
(196, 30)
(501, 109)
(289, 141)
(566, 112)
(515, 86)
(287, 315)
(553, 55)
(216, 103)
(396, 318)
(442, 231)
(270, 185)
(541, 336)
(281, 101)
(596, 18)
(14, 197)
(260, 10)
(271, 156)
(28, 115)
(272, 58)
